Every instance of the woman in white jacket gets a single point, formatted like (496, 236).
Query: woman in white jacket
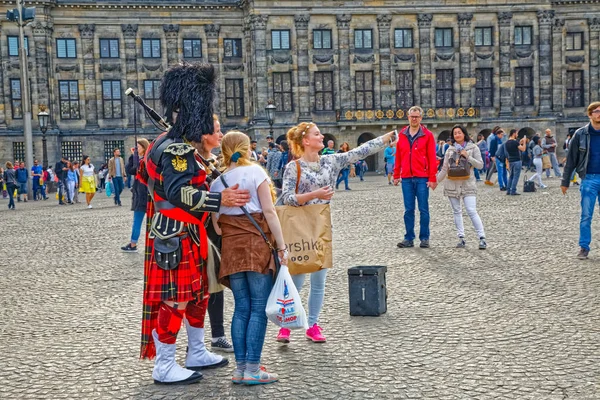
(464, 188)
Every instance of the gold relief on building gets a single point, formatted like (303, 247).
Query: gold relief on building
(349, 115)
(400, 114)
(430, 113)
(450, 112)
(461, 112)
(471, 112)
(379, 114)
(390, 114)
(370, 114)
(360, 114)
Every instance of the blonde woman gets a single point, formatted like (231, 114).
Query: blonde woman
(318, 174)
(247, 265)
(87, 180)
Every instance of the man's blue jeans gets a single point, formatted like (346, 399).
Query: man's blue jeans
(118, 187)
(416, 189)
(343, 177)
(590, 193)
(62, 188)
(501, 168)
(136, 229)
(250, 291)
(515, 174)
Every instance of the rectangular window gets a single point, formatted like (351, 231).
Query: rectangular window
(109, 48)
(404, 89)
(523, 35)
(575, 41)
(324, 91)
(280, 40)
(152, 94)
(364, 90)
(403, 38)
(484, 87)
(321, 39)
(14, 44)
(483, 36)
(523, 86)
(112, 104)
(72, 150)
(19, 152)
(232, 47)
(68, 92)
(443, 37)
(15, 99)
(110, 146)
(363, 39)
(282, 91)
(151, 48)
(234, 97)
(574, 89)
(66, 48)
(444, 88)
(192, 48)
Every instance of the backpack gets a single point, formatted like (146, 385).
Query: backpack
(459, 168)
(501, 153)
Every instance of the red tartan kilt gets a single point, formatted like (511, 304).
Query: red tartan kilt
(185, 283)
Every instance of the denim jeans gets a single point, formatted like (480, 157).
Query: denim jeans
(62, 188)
(10, 188)
(515, 174)
(136, 229)
(360, 171)
(343, 177)
(501, 167)
(250, 292)
(590, 193)
(316, 295)
(477, 176)
(555, 166)
(416, 188)
(37, 187)
(118, 187)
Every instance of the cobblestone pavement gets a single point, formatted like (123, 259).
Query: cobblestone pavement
(520, 320)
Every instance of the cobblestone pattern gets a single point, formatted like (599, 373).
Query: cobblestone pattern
(518, 321)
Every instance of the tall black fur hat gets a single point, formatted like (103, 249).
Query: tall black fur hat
(189, 89)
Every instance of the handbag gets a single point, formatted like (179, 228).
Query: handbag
(528, 186)
(546, 163)
(459, 168)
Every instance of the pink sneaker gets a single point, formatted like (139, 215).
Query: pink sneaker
(284, 335)
(314, 333)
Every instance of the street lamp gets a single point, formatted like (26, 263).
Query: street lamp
(43, 119)
(270, 109)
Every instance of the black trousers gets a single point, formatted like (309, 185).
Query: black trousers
(216, 303)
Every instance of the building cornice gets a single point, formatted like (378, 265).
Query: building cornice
(125, 5)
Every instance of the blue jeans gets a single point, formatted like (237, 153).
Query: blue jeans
(118, 187)
(10, 188)
(415, 188)
(477, 176)
(515, 174)
(250, 291)
(361, 172)
(343, 177)
(590, 193)
(37, 187)
(555, 166)
(62, 188)
(136, 229)
(316, 295)
(501, 168)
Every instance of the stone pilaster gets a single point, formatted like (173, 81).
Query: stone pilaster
(424, 21)
(42, 35)
(464, 24)
(557, 64)
(304, 100)
(4, 106)
(258, 79)
(131, 74)
(506, 84)
(212, 39)
(385, 65)
(594, 24)
(172, 38)
(545, 19)
(90, 100)
(343, 24)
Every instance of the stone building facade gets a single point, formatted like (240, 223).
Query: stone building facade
(354, 67)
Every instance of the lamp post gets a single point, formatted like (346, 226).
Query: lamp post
(270, 110)
(43, 119)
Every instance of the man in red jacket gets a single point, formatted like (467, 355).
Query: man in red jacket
(416, 167)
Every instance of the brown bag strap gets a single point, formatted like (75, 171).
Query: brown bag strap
(298, 171)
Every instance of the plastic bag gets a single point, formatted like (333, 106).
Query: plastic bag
(108, 188)
(284, 307)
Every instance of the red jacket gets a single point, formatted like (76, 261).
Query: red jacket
(420, 160)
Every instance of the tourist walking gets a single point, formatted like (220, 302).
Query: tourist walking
(61, 170)
(549, 145)
(22, 179)
(513, 148)
(10, 179)
(76, 168)
(389, 156)
(462, 186)
(345, 172)
(483, 150)
(139, 195)
(71, 182)
(116, 171)
(273, 162)
(317, 175)
(87, 180)
(496, 164)
(536, 153)
(37, 178)
(584, 158)
(330, 149)
(247, 264)
(416, 167)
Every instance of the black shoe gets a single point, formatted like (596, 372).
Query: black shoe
(222, 344)
(129, 248)
(576, 183)
(424, 244)
(405, 243)
(482, 244)
(503, 189)
(348, 189)
(583, 254)
(461, 243)
(516, 194)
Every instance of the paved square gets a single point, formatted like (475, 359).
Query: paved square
(520, 320)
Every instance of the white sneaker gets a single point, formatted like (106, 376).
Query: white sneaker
(90, 206)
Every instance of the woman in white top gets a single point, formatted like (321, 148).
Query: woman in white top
(87, 180)
(247, 264)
